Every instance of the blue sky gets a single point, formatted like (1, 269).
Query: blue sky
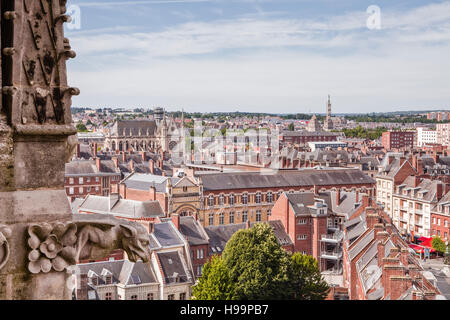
(276, 56)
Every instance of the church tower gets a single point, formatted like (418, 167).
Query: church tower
(313, 125)
(328, 125)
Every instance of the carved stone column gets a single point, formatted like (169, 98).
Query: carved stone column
(39, 237)
(35, 125)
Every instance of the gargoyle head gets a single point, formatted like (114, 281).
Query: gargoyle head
(135, 242)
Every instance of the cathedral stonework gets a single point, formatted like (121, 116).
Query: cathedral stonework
(39, 236)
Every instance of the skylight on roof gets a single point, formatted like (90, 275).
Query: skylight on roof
(136, 279)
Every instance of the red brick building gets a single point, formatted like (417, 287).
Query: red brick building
(236, 197)
(303, 137)
(440, 218)
(91, 177)
(398, 139)
(314, 221)
(378, 264)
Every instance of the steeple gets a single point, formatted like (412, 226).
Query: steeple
(328, 125)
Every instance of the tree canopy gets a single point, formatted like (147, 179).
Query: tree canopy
(438, 244)
(254, 266)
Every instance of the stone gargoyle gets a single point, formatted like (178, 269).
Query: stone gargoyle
(87, 237)
(5, 233)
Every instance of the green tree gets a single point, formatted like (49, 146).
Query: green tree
(291, 127)
(438, 244)
(307, 281)
(254, 266)
(257, 264)
(81, 127)
(215, 282)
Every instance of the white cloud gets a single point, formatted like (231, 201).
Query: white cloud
(364, 70)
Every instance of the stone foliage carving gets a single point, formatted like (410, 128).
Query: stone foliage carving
(58, 246)
(5, 233)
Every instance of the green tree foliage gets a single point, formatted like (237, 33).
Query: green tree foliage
(438, 244)
(215, 283)
(81, 127)
(360, 132)
(258, 264)
(291, 127)
(307, 281)
(254, 266)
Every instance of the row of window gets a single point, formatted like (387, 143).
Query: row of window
(244, 198)
(88, 180)
(438, 220)
(81, 190)
(438, 233)
(108, 296)
(200, 254)
(150, 296)
(231, 216)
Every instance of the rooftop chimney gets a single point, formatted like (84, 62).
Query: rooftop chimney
(152, 166)
(94, 149)
(152, 193)
(116, 162)
(436, 157)
(143, 155)
(132, 165)
(98, 163)
(176, 220)
(78, 153)
(151, 227)
(338, 197)
(124, 156)
(419, 167)
(417, 181)
(391, 159)
(439, 191)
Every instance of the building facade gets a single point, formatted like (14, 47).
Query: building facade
(398, 139)
(228, 198)
(426, 137)
(443, 134)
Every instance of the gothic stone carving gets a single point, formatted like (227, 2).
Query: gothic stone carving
(60, 245)
(5, 233)
(35, 55)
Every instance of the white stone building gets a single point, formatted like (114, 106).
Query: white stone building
(426, 136)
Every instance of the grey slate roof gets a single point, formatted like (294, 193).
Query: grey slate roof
(89, 167)
(166, 235)
(123, 271)
(299, 178)
(140, 181)
(171, 266)
(192, 230)
(133, 128)
(123, 207)
(362, 244)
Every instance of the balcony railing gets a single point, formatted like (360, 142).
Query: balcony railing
(333, 237)
(333, 255)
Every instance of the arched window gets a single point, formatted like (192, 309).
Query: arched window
(244, 198)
